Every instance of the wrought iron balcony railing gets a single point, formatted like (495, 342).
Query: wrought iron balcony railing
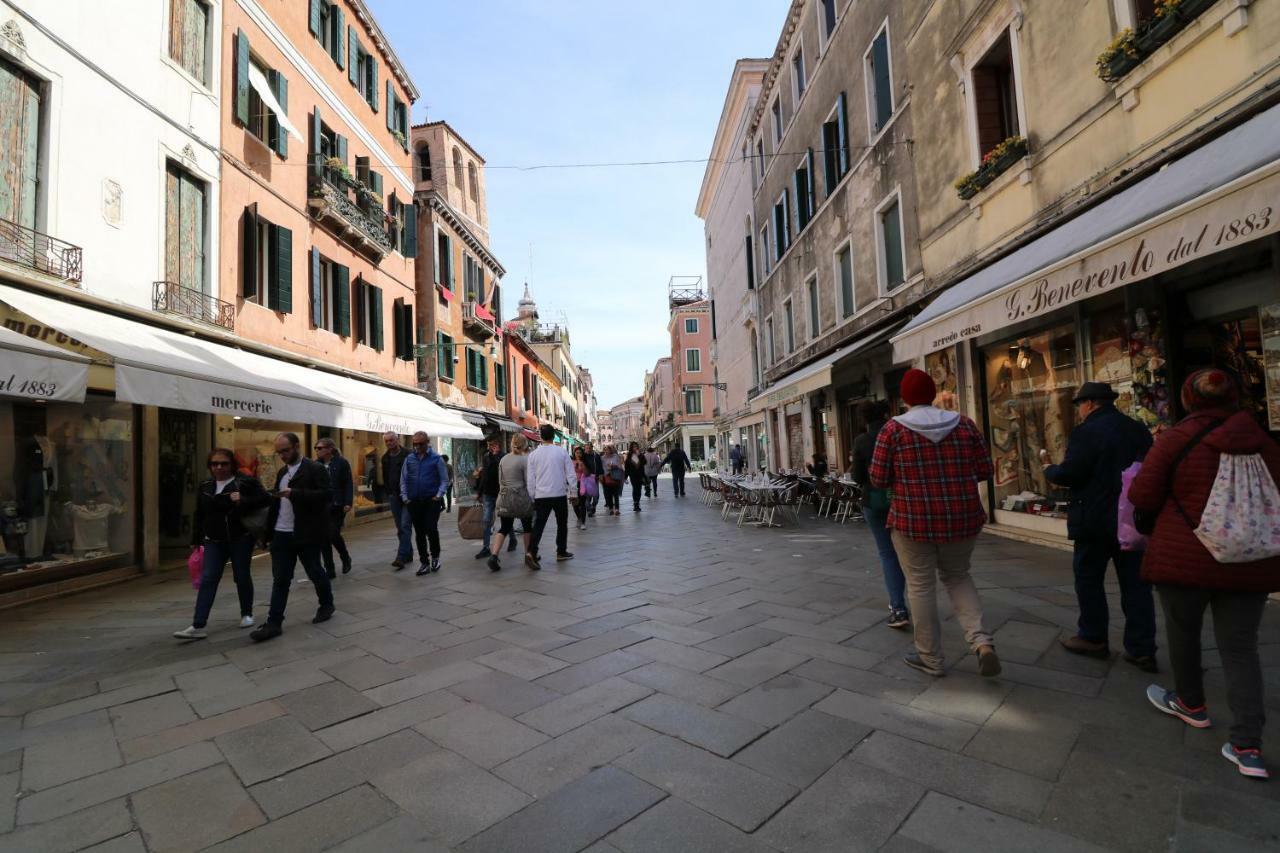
(330, 197)
(173, 298)
(40, 252)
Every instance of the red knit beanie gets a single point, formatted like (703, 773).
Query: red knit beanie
(918, 388)
(1210, 388)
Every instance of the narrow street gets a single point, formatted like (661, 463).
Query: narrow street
(680, 685)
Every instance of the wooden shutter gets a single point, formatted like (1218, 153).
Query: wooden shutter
(375, 308)
(342, 300)
(391, 107)
(361, 310)
(751, 263)
(335, 42)
(410, 230)
(831, 154)
(397, 327)
(362, 170)
(448, 258)
(798, 180)
(242, 78)
(317, 294)
(282, 267)
(372, 97)
(444, 362)
(314, 20)
(353, 57)
(342, 148)
(277, 134)
(882, 83)
(317, 134)
(813, 195)
(375, 182)
(842, 131)
(987, 108)
(249, 252)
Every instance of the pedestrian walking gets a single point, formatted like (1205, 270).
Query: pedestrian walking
(595, 464)
(448, 493)
(634, 467)
(588, 486)
(224, 503)
(298, 525)
(1104, 443)
(486, 477)
(551, 481)
(392, 464)
(679, 462)
(652, 468)
(513, 501)
(339, 471)
(933, 461)
(615, 476)
(736, 459)
(875, 509)
(424, 481)
(1176, 482)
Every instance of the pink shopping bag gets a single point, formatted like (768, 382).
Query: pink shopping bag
(195, 566)
(1126, 530)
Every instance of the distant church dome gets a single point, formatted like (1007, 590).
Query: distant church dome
(527, 309)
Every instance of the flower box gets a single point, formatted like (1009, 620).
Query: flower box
(1130, 48)
(995, 163)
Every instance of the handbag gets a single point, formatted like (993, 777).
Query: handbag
(513, 502)
(1144, 521)
(471, 521)
(195, 566)
(255, 521)
(587, 486)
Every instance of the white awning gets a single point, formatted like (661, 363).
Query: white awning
(30, 369)
(1219, 196)
(159, 367)
(263, 88)
(814, 376)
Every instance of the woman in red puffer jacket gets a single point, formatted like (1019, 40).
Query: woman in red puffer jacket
(1178, 474)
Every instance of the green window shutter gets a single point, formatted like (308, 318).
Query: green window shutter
(314, 21)
(448, 259)
(317, 133)
(360, 310)
(342, 300)
(409, 336)
(278, 135)
(883, 87)
(811, 193)
(242, 78)
(375, 305)
(353, 57)
(397, 327)
(282, 268)
(336, 46)
(439, 354)
(842, 129)
(249, 252)
(373, 83)
(375, 182)
(482, 367)
(317, 296)
(342, 149)
(391, 107)
(410, 230)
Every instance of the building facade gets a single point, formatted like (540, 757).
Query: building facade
(605, 436)
(588, 425)
(694, 379)
(627, 421)
(659, 404)
(726, 207)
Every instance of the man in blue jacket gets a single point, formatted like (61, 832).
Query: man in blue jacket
(679, 462)
(343, 499)
(423, 482)
(1101, 447)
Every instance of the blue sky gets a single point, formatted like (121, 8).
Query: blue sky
(564, 81)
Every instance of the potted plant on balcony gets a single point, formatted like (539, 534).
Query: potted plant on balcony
(1161, 26)
(1120, 57)
(996, 161)
(399, 137)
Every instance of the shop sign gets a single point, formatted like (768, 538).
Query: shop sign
(35, 377)
(1244, 215)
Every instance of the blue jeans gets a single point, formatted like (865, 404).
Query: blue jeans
(216, 554)
(895, 583)
(285, 554)
(1136, 600)
(488, 502)
(404, 528)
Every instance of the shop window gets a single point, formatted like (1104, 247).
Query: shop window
(189, 37)
(995, 103)
(879, 77)
(184, 229)
(1030, 383)
(20, 173)
(835, 144)
(844, 281)
(889, 245)
(68, 502)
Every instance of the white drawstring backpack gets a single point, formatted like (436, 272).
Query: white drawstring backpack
(1241, 519)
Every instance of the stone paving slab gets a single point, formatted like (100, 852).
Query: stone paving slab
(674, 826)
(195, 811)
(270, 749)
(548, 767)
(722, 734)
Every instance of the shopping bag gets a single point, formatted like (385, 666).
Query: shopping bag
(588, 487)
(1127, 530)
(195, 566)
(1241, 520)
(471, 522)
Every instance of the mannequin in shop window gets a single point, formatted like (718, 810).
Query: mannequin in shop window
(35, 479)
(91, 521)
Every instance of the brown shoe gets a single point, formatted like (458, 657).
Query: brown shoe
(988, 662)
(1081, 646)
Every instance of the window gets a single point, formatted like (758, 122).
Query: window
(189, 37)
(328, 25)
(20, 93)
(472, 280)
(362, 69)
(750, 255)
(844, 280)
(995, 102)
(526, 398)
(782, 224)
(693, 360)
(789, 326)
(776, 112)
(693, 401)
(184, 231)
(330, 295)
(444, 260)
(889, 245)
(755, 359)
(764, 249)
(691, 325)
(424, 162)
(267, 262)
(444, 356)
(473, 181)
(397, 116)
(457, 168)
(259, 120)
(805, 204)
(798, 80)
(403, 326)
(477, 370)
(835, 144)
(403, 228)
(746, 159)
(368, 319)
(760, 157)
(770, 345)
(828, 18)
(879, 81)
(499, 380)
(815, 316)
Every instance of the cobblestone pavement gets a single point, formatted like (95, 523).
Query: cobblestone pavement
(680, 686)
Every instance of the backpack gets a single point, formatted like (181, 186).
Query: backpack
(1241, 519)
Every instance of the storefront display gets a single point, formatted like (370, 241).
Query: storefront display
(66, 485)
(255, 447)
(1269, 320)
(941, 366)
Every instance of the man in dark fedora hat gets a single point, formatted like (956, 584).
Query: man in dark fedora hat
(1104, 443)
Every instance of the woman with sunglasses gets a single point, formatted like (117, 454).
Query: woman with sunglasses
(223, 503)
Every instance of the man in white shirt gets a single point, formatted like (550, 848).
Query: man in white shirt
(552, 484)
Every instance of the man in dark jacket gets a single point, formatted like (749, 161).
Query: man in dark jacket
(298, 526)
(423, 483)
(875, 510)
(679, 462)
(392, 464)
(339, 471)
(1101, 447)
(486, 477)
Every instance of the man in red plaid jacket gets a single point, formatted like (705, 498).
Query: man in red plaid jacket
(933, 461)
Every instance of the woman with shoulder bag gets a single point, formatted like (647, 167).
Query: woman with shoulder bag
(228, 506)
(634, 467)
(614, 476)
(513, 499)
(587, 486)
(1175, 485)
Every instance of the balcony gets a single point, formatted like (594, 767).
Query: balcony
(40, 252)
(172, 298)
(351, 209)
(478, 321)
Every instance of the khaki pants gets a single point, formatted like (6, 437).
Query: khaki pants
(923, 563)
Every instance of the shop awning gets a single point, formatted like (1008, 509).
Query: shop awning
(1217, 197)
(506, 425)
(815, 376)
(159, 367)
(263, 88)
(30, 369)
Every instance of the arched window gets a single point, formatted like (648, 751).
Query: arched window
(457, 167)
(424, 162)
(473, 176)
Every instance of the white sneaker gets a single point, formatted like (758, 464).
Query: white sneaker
(191, 633)
(246, 621)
